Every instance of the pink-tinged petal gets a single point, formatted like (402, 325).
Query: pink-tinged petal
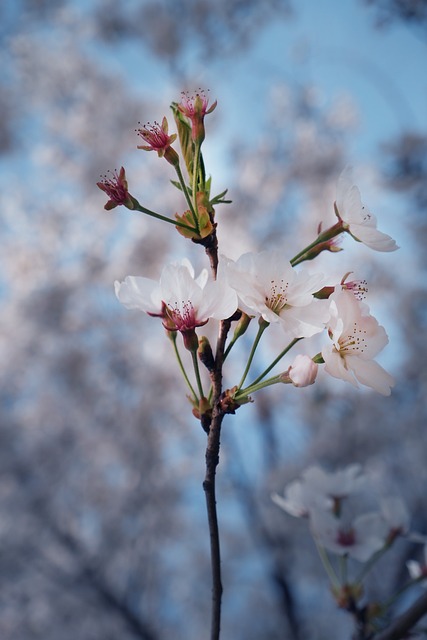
(371, 374)
(139, 293)
(219, 300)
(358, 220)
(303, 371)
(372, 238)
(335, 366)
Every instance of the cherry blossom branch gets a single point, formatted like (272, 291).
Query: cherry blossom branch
(212, 460)
(399, 628)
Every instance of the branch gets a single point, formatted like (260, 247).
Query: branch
(401, 625)
(212, 460)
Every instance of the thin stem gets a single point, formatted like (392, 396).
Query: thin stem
(256, 387)
(186, 194)
(153, 214)
(197, 373)
(172, 335)
(279, 357)
(262, 327)
(372, 560)
(195, 177)
(327, 565)
(343, 569)
(330, 233)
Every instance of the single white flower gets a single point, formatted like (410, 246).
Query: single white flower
(267, 285)
(359, 538)
(336, 485)
(356, 339)
(418, 570)
(299, 499)
(303, 371)
(182, 300)
(357, 219)
(320, 489)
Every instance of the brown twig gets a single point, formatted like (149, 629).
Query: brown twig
(212, 460)
(405, 622)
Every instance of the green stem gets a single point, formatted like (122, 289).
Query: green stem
(343, 569)
(327, 565)
(172, 335)
(186, 194)
(372, 560)
(194, 181)
(330, 233)
(256, 387)
(177, 223)
(263, 324)
(197, 373)
(279, 357)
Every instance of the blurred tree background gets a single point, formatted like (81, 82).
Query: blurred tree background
(102, 519)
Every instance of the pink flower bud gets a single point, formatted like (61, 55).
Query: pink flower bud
(303, 371)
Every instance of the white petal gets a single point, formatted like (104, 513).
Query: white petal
(372, 238)
(139, 293)
(335, 366)
(371, 374)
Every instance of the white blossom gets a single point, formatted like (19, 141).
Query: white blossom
(320, 489)
(359, 538)
(267, 285)
(183, 301)
(359, 221)
(336, 484)
(299, 499)
(356, 338)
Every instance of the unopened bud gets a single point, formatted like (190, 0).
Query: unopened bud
(241, 326)
(205, 353)
(302, 372)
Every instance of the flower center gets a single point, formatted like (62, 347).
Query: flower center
(346, 537)
(183, 315)
(277, 299)
(354, 342)
(154, 135)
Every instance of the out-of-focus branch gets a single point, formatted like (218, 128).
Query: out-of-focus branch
(404, 623)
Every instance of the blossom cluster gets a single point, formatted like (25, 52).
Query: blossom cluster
(325, 499)
(272, 288)
(266, 285)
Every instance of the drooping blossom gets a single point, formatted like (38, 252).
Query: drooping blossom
(195, 107)
(115, 186)
(157, 139)
(356, 338)
(303, 371)
(356, 217)
(183, 301)
(267, 285)
(358, 538)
